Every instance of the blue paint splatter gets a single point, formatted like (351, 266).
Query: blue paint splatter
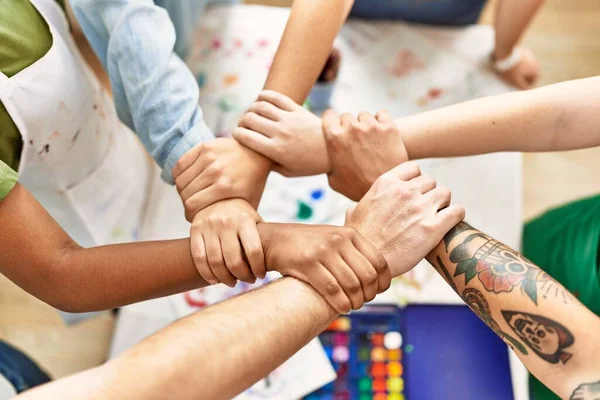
(317, 194)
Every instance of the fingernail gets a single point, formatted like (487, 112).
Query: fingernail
(212, 282)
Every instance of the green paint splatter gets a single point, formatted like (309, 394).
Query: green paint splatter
(304, 211)
(409, 348)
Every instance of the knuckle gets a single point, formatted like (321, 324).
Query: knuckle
(371, 276)
(224, 221)
(321, 250)
(381, 265)
(307, 257)
(445, 191)
(335, 239)
(332, 288)
(253, 251)
(236, 266)
(354, 287)
(216, 262)
(345, 306)
(224, 184)
(262, 106)
(198, 256)
(210, 157)
(412, 166)
(190, 205)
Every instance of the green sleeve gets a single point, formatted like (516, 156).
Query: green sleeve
(8, 180)
(24, 39)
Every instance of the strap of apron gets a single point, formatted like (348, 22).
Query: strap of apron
(7, 87)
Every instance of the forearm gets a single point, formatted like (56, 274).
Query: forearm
(557, 117)
(155, 93)
(512, 18)
(219, 351)
(554, 335)
(305, 46)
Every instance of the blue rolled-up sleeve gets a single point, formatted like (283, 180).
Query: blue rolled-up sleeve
(155, 93)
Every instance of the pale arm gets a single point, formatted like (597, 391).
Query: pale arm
(554, 335)
(512, 18)
(202, 355)
(563, 116)
(305, 45)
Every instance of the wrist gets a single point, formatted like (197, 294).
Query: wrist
(507, 62)
(265, 231)
(500, 53)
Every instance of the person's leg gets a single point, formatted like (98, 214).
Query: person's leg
(435, 12)
(19, 369)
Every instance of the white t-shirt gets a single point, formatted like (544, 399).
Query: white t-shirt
(7, 390)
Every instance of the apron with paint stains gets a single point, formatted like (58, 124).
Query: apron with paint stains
(86, 168)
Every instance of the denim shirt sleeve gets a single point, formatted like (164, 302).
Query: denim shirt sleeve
(155, 93)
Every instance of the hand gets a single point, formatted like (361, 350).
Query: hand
(218, 170)
(361, 150)
(525, 74)
(338, 262)
(215, 236)
(285, 132)
(405, 215)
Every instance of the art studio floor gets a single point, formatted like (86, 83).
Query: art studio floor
(561, 39)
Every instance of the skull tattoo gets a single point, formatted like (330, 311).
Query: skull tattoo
(547, 338)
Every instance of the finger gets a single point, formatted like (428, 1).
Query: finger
(186, 160)
(255, 141)
(348, 120)
(425, 183)
(204, 198)
(266, 109)
(364, 271)
(439, 197)
(449, 217)
(253, 250)
(327, 285)
(384, 117)
(214, 255)
(198, 184)
(232, 255)
(199, 256)
(259, 124)
(384, 275)
(367, 118)
(278, 100)
(347, 279)
(405, 171)
(192, 172)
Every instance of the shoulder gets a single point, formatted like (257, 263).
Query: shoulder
(24, 36)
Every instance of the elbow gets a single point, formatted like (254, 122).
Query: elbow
(68, 283)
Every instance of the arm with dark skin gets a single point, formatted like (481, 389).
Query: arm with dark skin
(554, 335)
(43, 260)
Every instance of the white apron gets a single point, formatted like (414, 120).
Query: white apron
(86, 168)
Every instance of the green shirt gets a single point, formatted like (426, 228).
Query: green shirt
(24, 39)
(8, 179)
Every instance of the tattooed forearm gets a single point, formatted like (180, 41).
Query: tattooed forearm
(587, 391)
(552, 333)
(475, 299)
(497, 266)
